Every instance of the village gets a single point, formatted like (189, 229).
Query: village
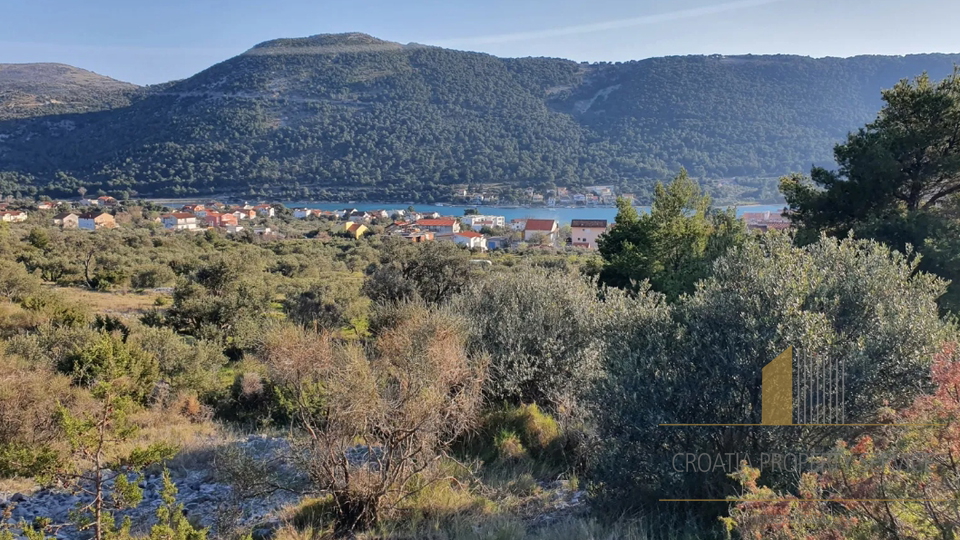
(473, 231)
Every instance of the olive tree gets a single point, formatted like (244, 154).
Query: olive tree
(852, 302)
(541, 331)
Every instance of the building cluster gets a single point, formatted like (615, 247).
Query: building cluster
(477, 231)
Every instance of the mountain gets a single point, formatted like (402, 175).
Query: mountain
(28, 90)
(350, 114)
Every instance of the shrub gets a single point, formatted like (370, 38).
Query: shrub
(915, 462)
(406, 403)
(110, 354)
(701, 361)
(541, 332)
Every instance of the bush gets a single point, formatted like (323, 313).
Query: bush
(372, 425)
(701, 361)
(541, 331)
(110, 354)
(29, 435)
(153, 276)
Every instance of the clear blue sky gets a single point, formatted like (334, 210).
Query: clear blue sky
(155, 41)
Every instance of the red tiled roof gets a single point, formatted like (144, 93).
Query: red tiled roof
(437, 222)
(469, 234)
(180, 215)
(541, 225)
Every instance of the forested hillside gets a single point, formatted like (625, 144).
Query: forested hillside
(330, 113)
(42, 89)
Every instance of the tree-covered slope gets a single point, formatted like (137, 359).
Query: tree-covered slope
(28, 90)
(336, 112)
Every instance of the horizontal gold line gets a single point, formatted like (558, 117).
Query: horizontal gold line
(792, 425)
(809, 500)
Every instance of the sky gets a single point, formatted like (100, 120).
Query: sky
(148, 42)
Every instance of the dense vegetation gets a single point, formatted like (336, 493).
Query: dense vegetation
(354, 116)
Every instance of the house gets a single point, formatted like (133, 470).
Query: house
(46, 205)
(193, 208)
(67, 220)
(417, 236)
(233, 229)
(13, 216)
(360, 217)
(302, 213)
(518, 224)
(179, 221)
(356, 230)
(498, 242)
(88, 202)
(440, 225)
(765, 221)
(584, 232)
(470, 240)
(265, 210)
(106, 201)
(243, 213)
(478, 222)
(92, 221)
(216, 219)
(536, 229)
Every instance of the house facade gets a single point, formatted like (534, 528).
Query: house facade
(585, 232)
(470, 240)
(92, 221)
(355, 230)
(440, 225)
(478, 222)
(216, 219)
(13, 216)
(179, 221)
(545, 229)
(498, 242)
(265, 210)
(67, 220)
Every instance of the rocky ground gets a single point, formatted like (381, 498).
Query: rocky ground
(206, 501)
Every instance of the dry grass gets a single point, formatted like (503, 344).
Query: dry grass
(110, 302)
(197, 442)
(18, 485)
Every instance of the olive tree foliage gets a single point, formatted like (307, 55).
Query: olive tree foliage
(376, 422)
(431, 271)
(331, 305)
(541, 331)
(223, 299)
(700, 360)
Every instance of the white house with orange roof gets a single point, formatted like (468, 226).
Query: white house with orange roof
(470, 240)
(536, 229)
(439, 225)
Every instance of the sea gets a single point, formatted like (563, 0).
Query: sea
(564, 215)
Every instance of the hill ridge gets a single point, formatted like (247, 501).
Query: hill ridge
(349, 113)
